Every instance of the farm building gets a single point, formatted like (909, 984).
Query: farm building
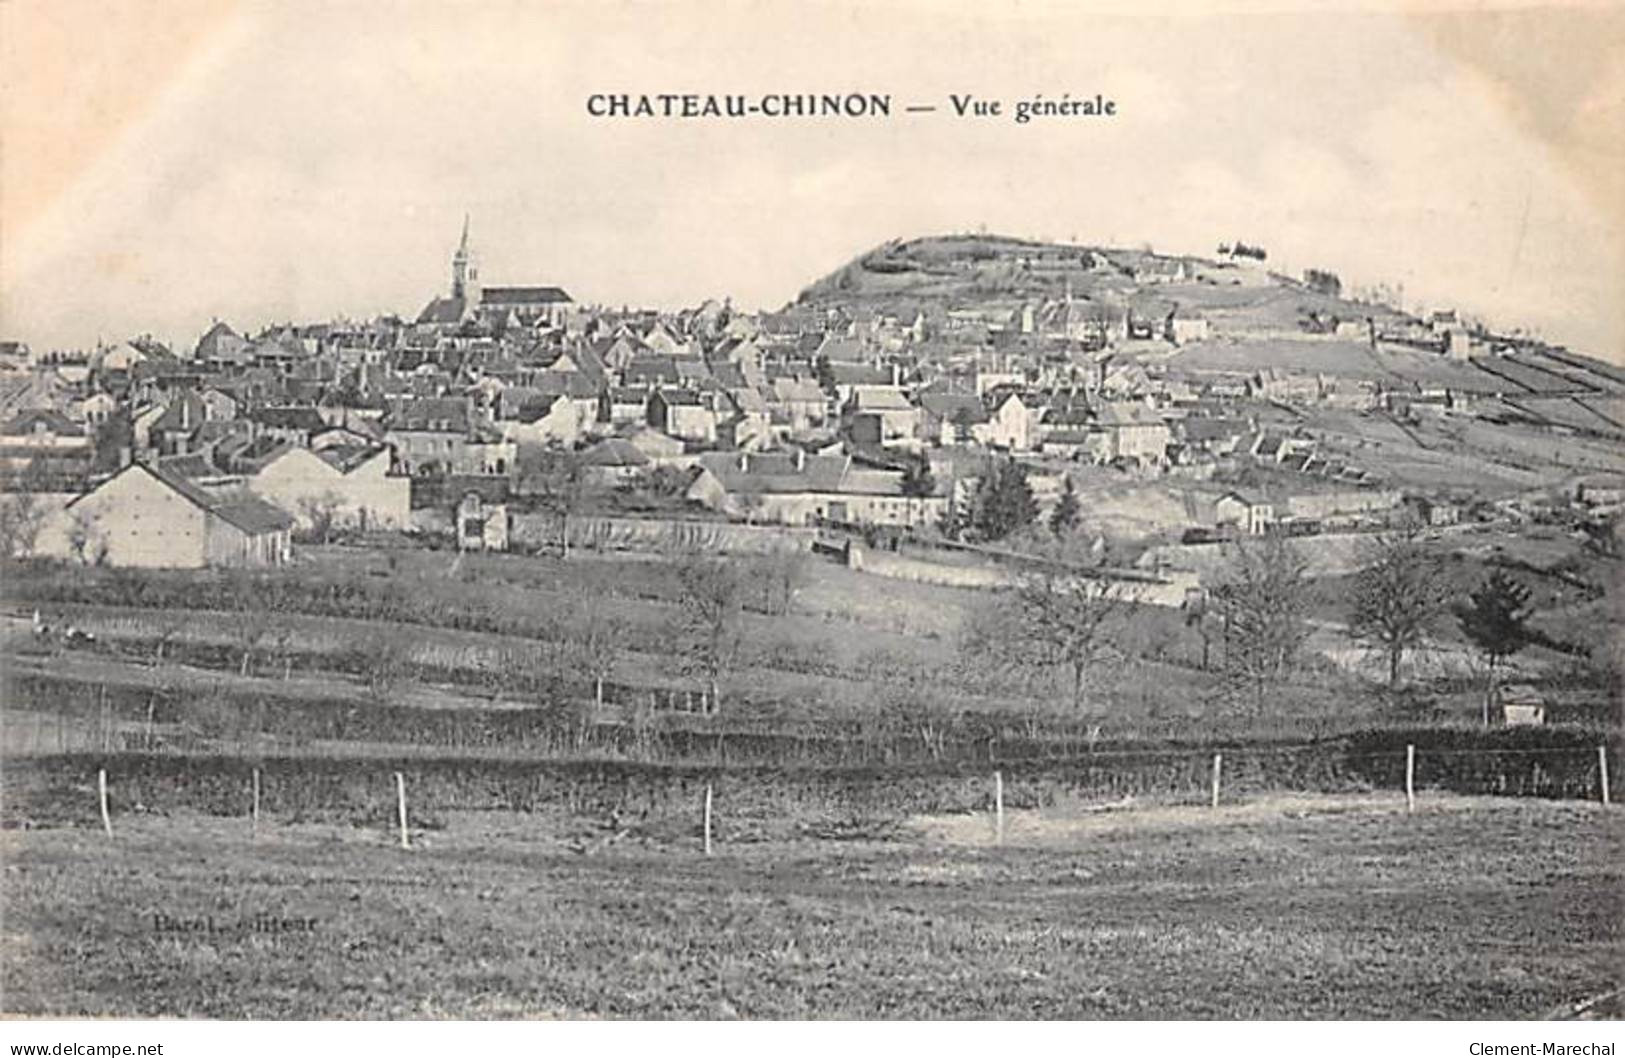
(1250, 515)
(798, 489)
(148, 518)
(1521, 705)
(352, 485)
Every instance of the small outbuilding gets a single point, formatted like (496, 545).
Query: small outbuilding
(1522, 705)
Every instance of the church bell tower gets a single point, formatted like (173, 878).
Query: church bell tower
(465, 275)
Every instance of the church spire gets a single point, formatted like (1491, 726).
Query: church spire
(465, 278)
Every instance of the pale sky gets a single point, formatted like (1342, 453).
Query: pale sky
(163, 164)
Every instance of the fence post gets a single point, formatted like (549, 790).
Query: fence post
(101, 790)
(1218, 770)
(708, 819)
(400, 801)
(256, 802)
(1410, 778)
(998, 807)
(1602, 771)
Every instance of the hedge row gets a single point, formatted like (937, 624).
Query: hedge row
(60, 789)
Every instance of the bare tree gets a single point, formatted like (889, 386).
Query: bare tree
(558, 480)
(385, 657)
(780, 575)
(22, 514)
(1198, 617)
(1065, 617)
(598, 642)
(21, 518)
(250, 618)
(710, 594)
(86, 538)
(1262, 599)
(1064, 614)
(321, 512)
(1398, 594)
(168, 626)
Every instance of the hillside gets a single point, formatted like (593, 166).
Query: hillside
(1258, 319)
(987, 270)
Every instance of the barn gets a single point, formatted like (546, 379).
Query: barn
(144, 517)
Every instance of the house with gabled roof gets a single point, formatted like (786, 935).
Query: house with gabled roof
(1252, 515)
(613, 460)
(953, 418)
(48, 440)
(352, 485)
(881, 414)
(1011, 421)
(799, 401)
(683, 413)
(439, 435)
(834, 349)
(621, 405)
(545, 418)
(795, 488)
(144, 517)
(1137, 431)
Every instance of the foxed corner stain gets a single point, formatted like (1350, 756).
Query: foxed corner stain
(69, 92)
(1557, 72)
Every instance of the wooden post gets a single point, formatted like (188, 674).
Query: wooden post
(101, 789)
(998, 807)
(400, 800)
(1410, 778)
(1602, 771)
(256, 802)
(708, 819)
(1218, 768)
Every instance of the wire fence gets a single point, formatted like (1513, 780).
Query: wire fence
(417, 794)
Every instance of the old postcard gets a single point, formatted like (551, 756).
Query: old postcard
(810, 511)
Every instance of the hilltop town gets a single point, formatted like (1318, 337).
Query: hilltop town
(1180, 401)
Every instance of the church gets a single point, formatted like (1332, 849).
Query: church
(495, 307)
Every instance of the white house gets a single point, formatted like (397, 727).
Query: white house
(351, 484)
(144, 517)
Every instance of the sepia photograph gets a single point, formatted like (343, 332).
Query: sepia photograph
(810, 512)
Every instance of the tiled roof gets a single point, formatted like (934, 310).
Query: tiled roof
(879, 398)
(345, 458)
(800, 390)
(442, 310)
(775, 472)
(54, 421)
(614, 452)
(248, 513)
(524, 296)
(1128, 414)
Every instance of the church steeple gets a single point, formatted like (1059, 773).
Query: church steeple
(465, 277)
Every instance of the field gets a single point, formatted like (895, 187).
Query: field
(557, 866)
(1283, 906)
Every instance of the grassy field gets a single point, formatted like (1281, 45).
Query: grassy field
(1286, 907)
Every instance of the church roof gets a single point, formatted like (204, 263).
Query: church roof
(524, 296)
(442, 310)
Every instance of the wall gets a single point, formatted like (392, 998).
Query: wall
(146, 524)
(660, 534)
(301, 476)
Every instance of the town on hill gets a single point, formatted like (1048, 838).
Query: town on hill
(952, 412)
(1159, 541)
(1180, 400)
